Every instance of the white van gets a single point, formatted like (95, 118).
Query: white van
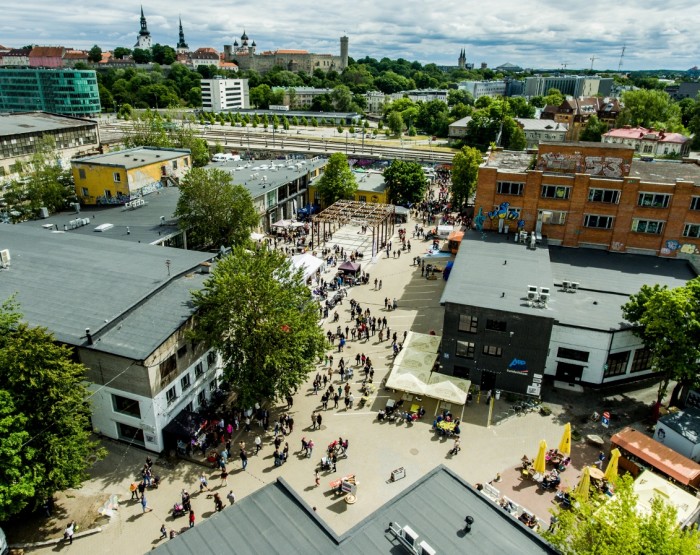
(221, 157)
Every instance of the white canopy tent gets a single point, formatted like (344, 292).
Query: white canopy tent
(308, 262)
(283, 223)
(257, 236)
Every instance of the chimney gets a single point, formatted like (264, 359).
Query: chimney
(88, 335)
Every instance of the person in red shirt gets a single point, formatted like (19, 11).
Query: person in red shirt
(191, 519)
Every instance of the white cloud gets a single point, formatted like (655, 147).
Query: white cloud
(532, 34)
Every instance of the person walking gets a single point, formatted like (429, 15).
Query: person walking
(244, 459)
(319, 419)
(258, 444)
(313, 420)
(144, 505)
(68, 534)
(218, 504)
(163, 532)
(224, 478)
(134, 489)
(191, 518)
(231, 497)
(317, 479)
(203, 484)
(380, 284)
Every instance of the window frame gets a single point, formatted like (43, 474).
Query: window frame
(556, 214)
(171, 395)
(688, 227)
(496, 325)
(620, 366)
(651, 203)
(125, 409)
(544, 193)
(572, 354)
(492, 351)
(641, 357)
(468, 350)
(598, 217)
(473, 326)
(614, 193)
(510, 185)
(694, 203)
(637, 221)
(185, 381)
(117, 177)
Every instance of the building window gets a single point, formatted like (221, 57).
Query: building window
(647, 226)
(126, 406)
(211, 359)
(641, 360)
(510, 188)
(198, 370)
(496, 325)
(465, 349)
(617, 364)
(492, 351)
(167, 367)
(556, 191)
(182, 351)
(81, 173)
(213, 385)
(185, 381)
(362, 198)
(648, 149)
(468, 323)
(653, 200)
(691, 230)
(552, 217)
(85, 191)
(174, 164)
(130, 433)
(608, 196)
(695, 203)
(170, 395)
(117, 177)
(573, 354)
(597, 222)
(187, 162)
(201, 398)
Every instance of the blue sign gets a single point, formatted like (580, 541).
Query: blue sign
(518, 365)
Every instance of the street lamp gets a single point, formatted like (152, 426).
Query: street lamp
(346, 143)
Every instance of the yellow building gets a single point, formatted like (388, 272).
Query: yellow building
(371, 188)
(125, 175)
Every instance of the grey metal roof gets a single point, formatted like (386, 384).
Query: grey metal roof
(24, 123)
(131, 158)
(665, 171)
(370, 181)
(275, 519)
(68, 282)
(144, 223)
(533, 124)
(250, 173)
(480, 277)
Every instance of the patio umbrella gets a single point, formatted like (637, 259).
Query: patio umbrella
(565, 443)
(611, 470)
(582, 490)
(540, 464)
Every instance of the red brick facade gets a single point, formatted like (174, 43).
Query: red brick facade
(584, 196)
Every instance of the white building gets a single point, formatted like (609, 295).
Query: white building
(376, 100)
(301, 97)
(537, 130)
(224, 94)
(680, 431)
(483, 88)
(649, 142)
(421, 95)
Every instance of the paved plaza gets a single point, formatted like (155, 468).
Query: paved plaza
(375, 449)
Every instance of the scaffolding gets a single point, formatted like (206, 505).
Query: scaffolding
(379, 217)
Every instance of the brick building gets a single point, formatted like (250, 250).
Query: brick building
(593, 195)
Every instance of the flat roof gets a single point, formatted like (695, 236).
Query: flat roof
(250, 173)
(298, 113)
(144, 223)
(491, 264)
(685, 423)
(69, 282)
(275, 519)
(665, 171)
(509, 160)
(533, 124)
(370, 181)
(31, 123)
(131, 158)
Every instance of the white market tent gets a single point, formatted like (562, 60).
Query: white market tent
(649, 485)
(308, 262)
(257, 236)
(283, 223)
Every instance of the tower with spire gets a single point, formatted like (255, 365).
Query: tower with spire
(182, 46)
(143, 40)
(462, 60)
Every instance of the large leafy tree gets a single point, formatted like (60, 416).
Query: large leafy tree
(395, 123)
(650, 108)
(45, 442)
(337, 181)
(213, 210)
(95, 54)
(668, 323)
(618, 527)
(465, 170)
(406, 182)
(257, 311)
(594, 130)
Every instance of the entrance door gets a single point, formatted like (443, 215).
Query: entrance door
(488, 380)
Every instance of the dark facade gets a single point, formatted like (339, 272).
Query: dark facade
(495, 349)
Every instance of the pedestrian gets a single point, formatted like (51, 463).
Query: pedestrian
(163, 532)
(380, 284)
(313, 420)
(224, 477)
(68, 534)
(290, 423)
(342, 373)
(319, 419)
(244, 459)
(218, 504)
(134, 489)
(191, 518)
(203, 484)
(336, 398)
(317, 479)
(144, 505)
(375, 283)
(231, 497)
(601, 458)
(334, 460)
(258, 444)
(309, 448)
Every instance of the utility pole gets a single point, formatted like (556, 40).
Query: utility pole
(593, 59)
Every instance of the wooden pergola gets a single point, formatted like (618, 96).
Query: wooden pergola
(379, 217)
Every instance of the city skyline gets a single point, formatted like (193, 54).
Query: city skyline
(543, 35)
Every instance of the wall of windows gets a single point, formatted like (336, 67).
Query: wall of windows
(598, 222)
(608, 196)
(556, 192)
(647, 226)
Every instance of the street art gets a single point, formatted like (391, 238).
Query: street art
(607, 166)
(503, 212)
(672, 245)
(617, 246)
(479, 220)
(689, 248)
(576, 163)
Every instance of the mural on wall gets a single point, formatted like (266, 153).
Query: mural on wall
(504, 215)
(479, 220)
(560, 162)
(689, 248)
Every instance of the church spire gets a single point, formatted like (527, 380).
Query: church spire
(181, 44)
(143, 40)
(144, 28)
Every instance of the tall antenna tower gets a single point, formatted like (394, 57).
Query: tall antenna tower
(622, 55)
(592, 59)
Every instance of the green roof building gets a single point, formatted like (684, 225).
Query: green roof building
(69, 92)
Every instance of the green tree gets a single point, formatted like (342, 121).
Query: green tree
(213, 210)
(554, 96)
(667, 321)
(44, 416)
(342, 99)
(406, 182)
(650, 108)
(95, 54)
(141, 55)
(617, 527)
(465, 170)
(125, 112)
(594, 130)
(120, 52)
(337, 181)
(395, 123)
(512, 135)
(258, 313)
(457, 96)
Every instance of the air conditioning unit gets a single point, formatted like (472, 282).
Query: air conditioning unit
(566, 285)
(575, 285)
(544, 297)
(5, 257)
(410, 535)
(425, 549)
(544, 291)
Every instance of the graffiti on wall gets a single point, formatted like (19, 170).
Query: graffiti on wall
(607, 166)
(504, 212)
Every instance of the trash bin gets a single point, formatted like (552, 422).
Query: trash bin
(498, 394)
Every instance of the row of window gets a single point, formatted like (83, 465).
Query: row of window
(470, 324)
(616, 365)
(607, 196)
(466, 349)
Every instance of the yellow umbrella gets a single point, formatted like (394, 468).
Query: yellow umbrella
(583, 487)
(611, 470)
(565, 443)
(540, 464)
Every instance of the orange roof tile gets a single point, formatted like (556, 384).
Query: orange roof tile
(47, 52)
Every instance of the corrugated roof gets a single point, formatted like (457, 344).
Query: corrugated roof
(673, 464)
(685, 423)
(133, 157)
(33, 123)
(68, 282)
(275, 519)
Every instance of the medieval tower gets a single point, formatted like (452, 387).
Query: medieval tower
(143, 40)
(462, 60)
(182, 46)
(344, 52)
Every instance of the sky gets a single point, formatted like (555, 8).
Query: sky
(528, 33)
